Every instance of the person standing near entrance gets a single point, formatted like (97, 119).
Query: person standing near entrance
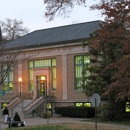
(6, 113)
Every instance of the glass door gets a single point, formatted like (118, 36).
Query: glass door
(41, 86)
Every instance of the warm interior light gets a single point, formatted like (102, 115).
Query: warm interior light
(43, 78)
(20, 79)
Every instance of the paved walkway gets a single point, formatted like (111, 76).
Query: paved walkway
(55, 120)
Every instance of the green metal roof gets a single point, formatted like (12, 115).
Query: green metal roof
(57, 35)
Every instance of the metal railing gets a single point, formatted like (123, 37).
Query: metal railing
(34, 105)
(26, 96)
(29, 104)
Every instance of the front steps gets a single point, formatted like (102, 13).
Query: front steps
(30, 108)
(19, 107)
(25, 108)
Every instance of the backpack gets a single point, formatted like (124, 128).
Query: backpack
(22, 124)
(8, 119)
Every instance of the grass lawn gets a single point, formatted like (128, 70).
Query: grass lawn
(126, 122)
(70, 126)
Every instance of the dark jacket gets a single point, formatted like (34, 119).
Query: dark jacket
(5, 111)
(17, 117)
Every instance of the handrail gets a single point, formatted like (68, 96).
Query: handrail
(26, 95)
(34, 105)
(36, 113)
(9, 98)
(12, 104)
(22, 95)
(29, 104)
(14, 100)
(17, 95)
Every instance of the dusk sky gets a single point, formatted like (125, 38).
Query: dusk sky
(31, 12)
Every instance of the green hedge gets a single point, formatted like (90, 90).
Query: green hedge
(72, 111)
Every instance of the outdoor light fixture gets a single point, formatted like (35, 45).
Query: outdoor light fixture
(43, 78)
(43, 85)
(20, 81)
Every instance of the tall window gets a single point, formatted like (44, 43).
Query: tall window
(82, 63)
(41, 64)
(8, 79)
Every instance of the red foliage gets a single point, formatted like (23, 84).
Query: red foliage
(116, 33)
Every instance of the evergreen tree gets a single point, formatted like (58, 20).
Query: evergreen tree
(111, 42)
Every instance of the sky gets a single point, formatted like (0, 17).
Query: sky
(31, 12)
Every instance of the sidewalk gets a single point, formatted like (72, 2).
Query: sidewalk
(40, 121)
(56, 120)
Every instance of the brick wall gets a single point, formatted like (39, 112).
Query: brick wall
(72, 93)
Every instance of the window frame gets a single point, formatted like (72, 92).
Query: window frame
(52, 65)
(83, 104)
(8, 80)
(83, 66)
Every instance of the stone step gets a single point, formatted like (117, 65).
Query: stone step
(19, 107)
(23, 103)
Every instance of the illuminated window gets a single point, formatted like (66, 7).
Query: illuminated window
(54, 78)
(48, 105)
(31, 85)
(51, 63)
(127, 107)
(82, 63)
(88, 104)
(30, 64)
(8, 81)
(11, 86)
(80, 104)
(86, 59)
(4, 104)
(42, 63)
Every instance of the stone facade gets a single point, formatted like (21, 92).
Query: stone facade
(65, 93)
(61, 44)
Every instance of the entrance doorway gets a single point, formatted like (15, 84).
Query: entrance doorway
(41, 85)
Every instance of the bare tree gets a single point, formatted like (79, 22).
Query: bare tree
(60, 7)
(12, 29)
(7, 62)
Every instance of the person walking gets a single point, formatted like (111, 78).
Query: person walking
(6, 113)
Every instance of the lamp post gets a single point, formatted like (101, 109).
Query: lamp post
(20, 82)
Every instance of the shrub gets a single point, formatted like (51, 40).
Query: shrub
(72, 111)
(111, 111)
